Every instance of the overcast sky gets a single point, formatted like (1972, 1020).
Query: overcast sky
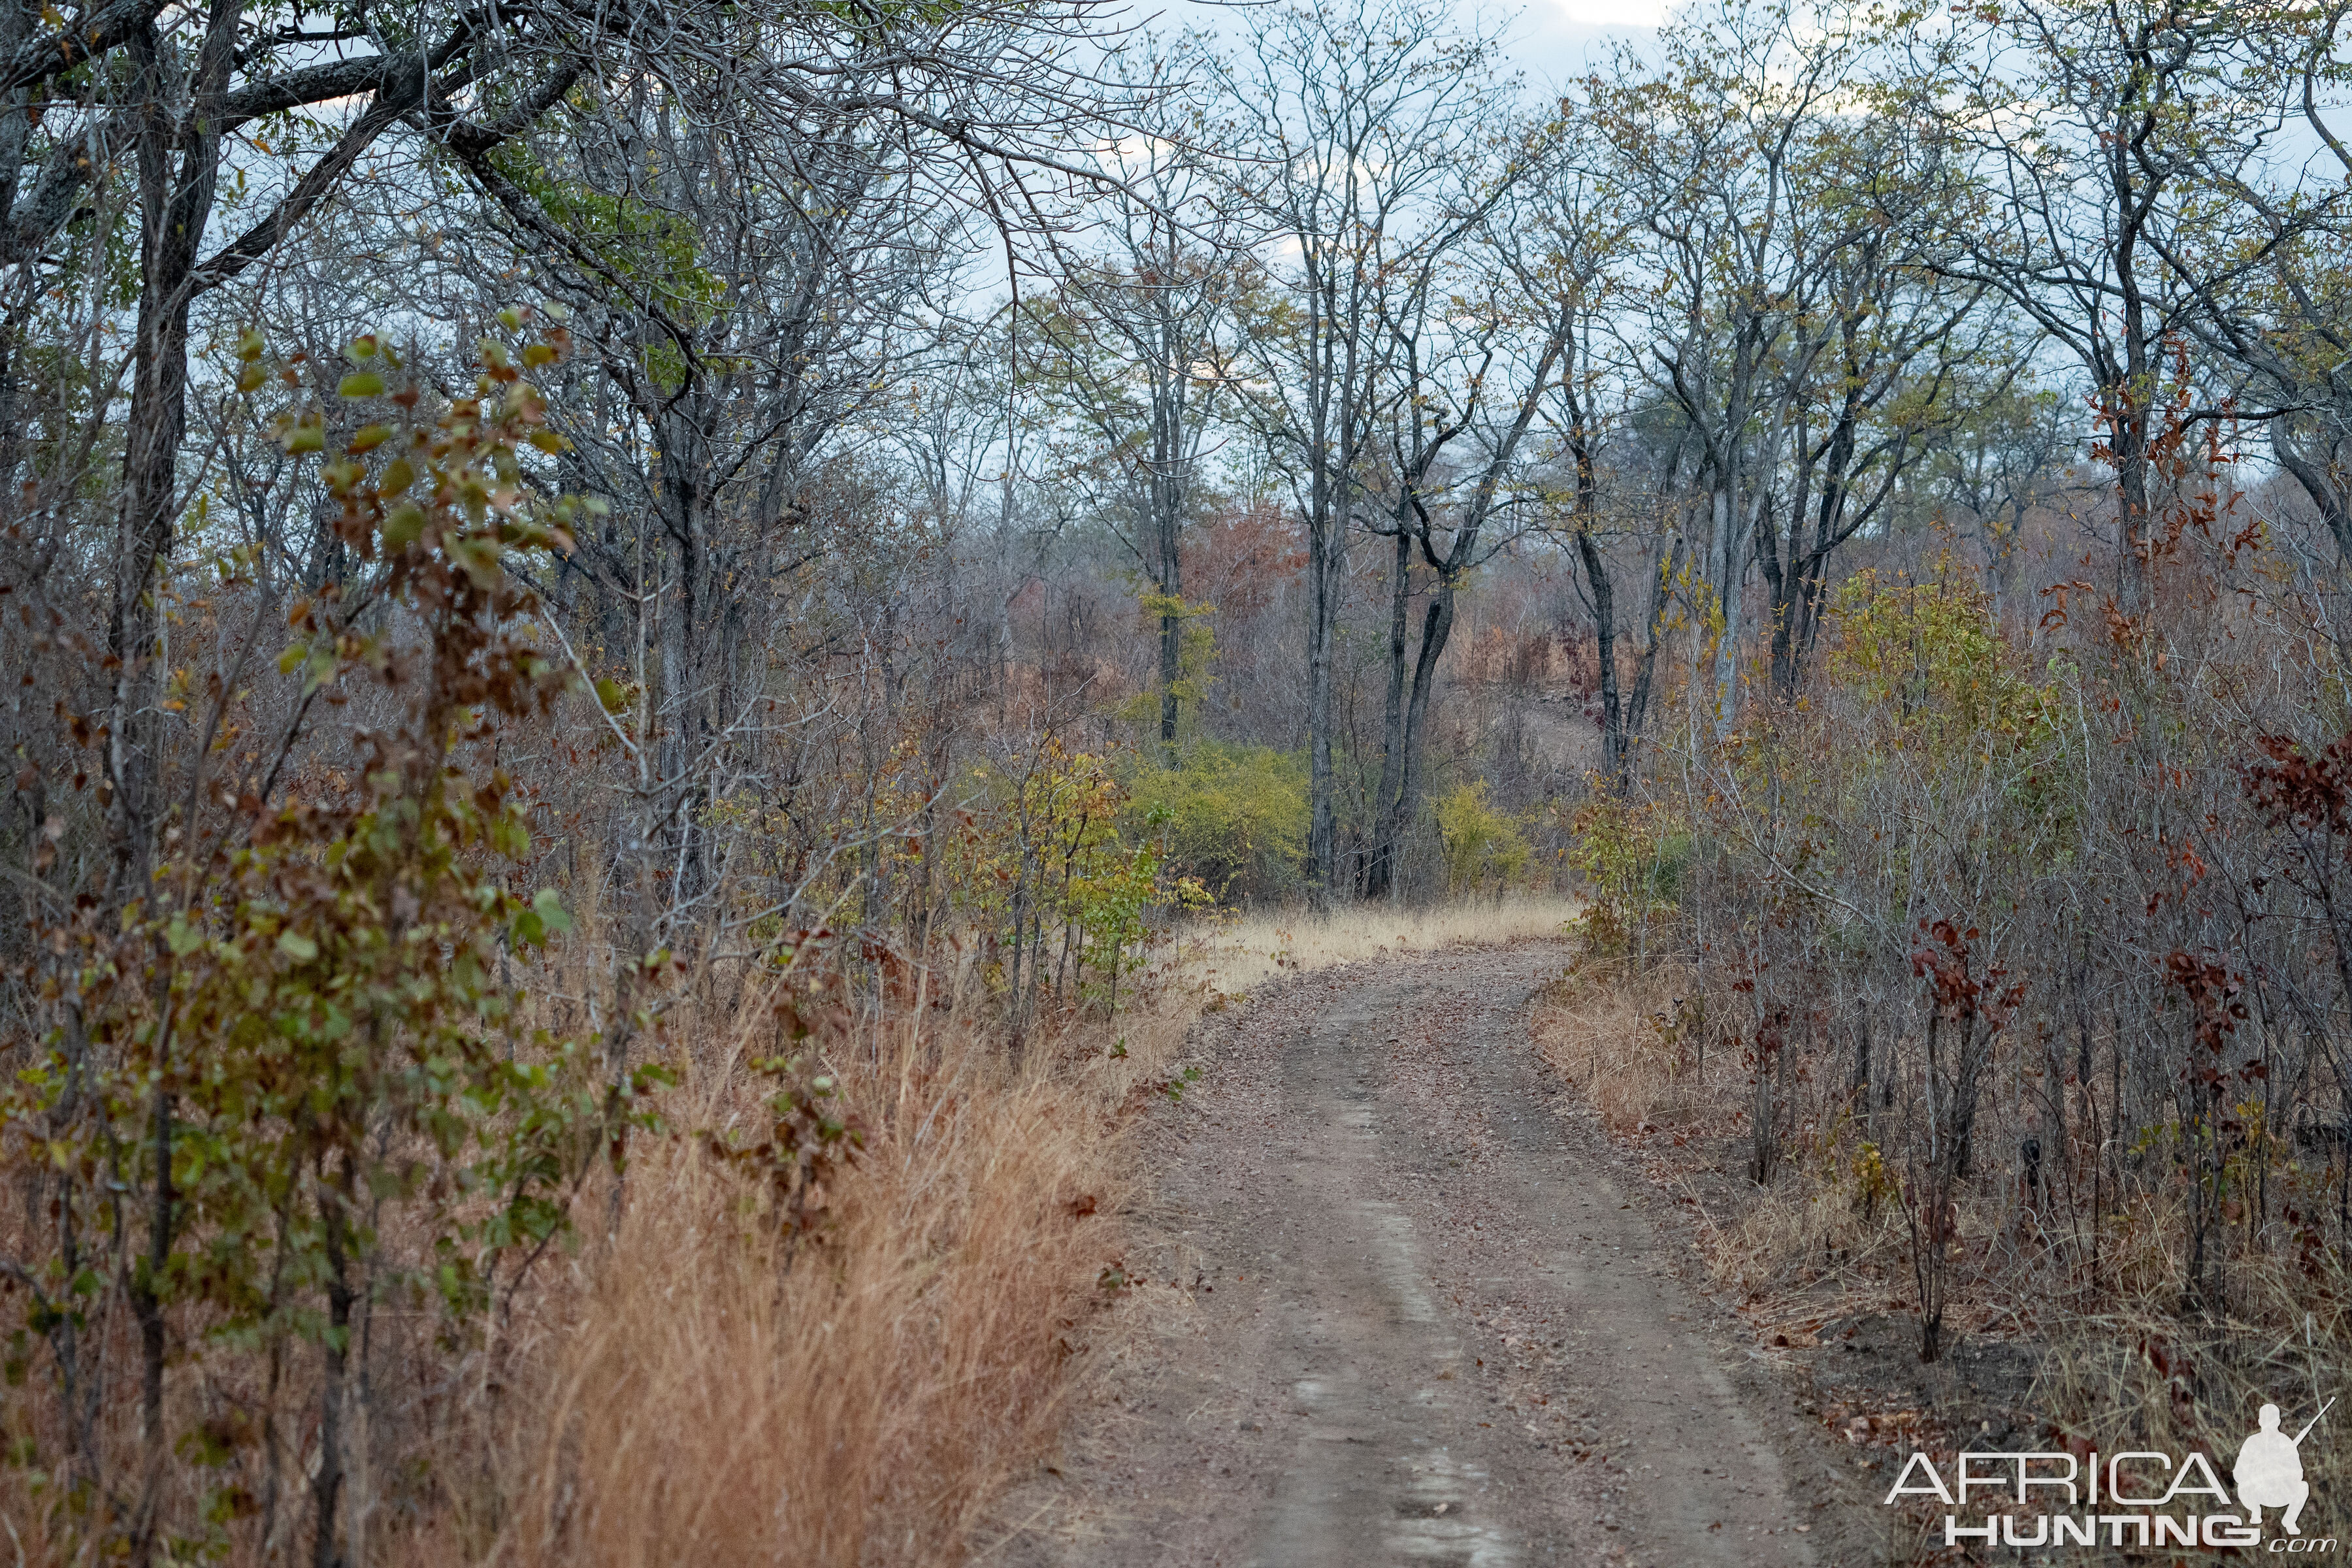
(1550, 40)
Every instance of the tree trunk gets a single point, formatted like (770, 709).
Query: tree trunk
(690, 625)
(1171, 645)
(1662, 590)
(1326, 567)
(1613, 740)
(177, 175)
(1168, 508)
(2129, 446)
(2319, 482)
(327, 1485)
(1729, 574)
(1380, 878)
(1436, 627)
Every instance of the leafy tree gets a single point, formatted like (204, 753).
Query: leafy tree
(299, 1047)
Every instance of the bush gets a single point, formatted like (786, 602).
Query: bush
(1634, 860)
(1233, 817)
(1483, 847)
(294, 1082)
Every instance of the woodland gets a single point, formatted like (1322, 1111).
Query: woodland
(639, 633)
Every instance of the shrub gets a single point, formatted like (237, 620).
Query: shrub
(1634, 859)
(294, 1082)
(1928, 651)
(1233, 817)
(1485, 849)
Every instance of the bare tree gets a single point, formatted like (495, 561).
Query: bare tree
(1883, 340)
(1353, 115)
(1142, 344)
(1568, 238)
(1478, 338)
(742, 235)
(1715, 147)
(159, 97)
(2077, 144)
(2279, 330)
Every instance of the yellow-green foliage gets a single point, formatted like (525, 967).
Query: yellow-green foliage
(1633, 859)
(1233, 817)
(1196, 649)
(1038, 831)
(1054, 844)
(1483, 847)
(1926, 652)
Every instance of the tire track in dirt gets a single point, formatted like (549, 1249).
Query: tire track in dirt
(1394, 1306)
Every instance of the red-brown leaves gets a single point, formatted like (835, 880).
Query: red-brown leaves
(2212, 991)
(2308, 792)
(1944, 961)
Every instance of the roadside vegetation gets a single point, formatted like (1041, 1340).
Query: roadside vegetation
(1989, 1001)
(654, 656)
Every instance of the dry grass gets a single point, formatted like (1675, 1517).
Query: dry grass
(1621, 1040)
(1228, 959)
(1811, 1242)
(711, 1393)
(706, 1394)
(691, 1384)
(2137, 1375)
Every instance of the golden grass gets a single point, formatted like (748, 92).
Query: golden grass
(1229, 958)
(1627, 1042)
(712, 1394)
(689, 1383)
(706, 1394)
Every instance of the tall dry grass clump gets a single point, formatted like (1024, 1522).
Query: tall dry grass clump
(712, 1387)
(706, 1384)
(1625, 1040)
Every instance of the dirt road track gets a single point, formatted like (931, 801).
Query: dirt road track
(1401, 1310)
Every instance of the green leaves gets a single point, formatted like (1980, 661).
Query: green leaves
(181, 937)
(403, 527)
(322, 1005)
(1235, 816)
(1483, 845)
(543, 919)
(478, 553)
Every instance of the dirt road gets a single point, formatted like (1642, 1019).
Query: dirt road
(1400, 1308)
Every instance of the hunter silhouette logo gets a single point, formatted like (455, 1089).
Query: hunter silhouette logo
(2269, 1471)
(2134, 1498)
